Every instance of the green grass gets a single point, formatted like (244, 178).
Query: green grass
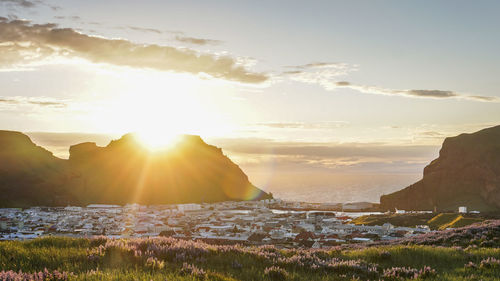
(448, 262)
(451, 220)
(464, 222)
(409, 220)
(71, 255)
(442, 220)
(435, 222)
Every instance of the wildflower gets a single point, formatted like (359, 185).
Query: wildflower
(275, 273)
(489, 262)
(189, 269)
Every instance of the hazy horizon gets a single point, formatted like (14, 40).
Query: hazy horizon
(289, 178)
(346, 99)
(249, 140)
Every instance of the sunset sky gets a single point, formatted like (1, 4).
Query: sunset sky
(306, 96)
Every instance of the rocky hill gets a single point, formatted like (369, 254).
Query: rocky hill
(29, 173)
(466, 173)
(122, 172)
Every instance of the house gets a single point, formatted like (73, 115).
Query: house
(3, 223)
(356, 206)
(361, 239)
(102, 206)
(257, 237)
(316, 245)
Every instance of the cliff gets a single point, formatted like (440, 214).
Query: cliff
(466, 173)
(122, 172)
(29, 173)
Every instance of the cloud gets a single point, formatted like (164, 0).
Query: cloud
(435, 94)
(327, 180)
(265, 160)
(137, 28)
(304, 125)
(197, 41)
(431, 93)
(484, 98)
(21, 3)
(28, 4)
(293, 72)
(327, 75)
(431, 134)
(257, 152)
(8, 101)
(317, 65)
(22, 42)
(144, 29)
(48, 103)
(321, 73)
(327, 150)
(73, 18)
(342, 83)
(37, 101)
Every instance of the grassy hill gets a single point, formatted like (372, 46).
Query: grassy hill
(409, 220)
(451, 220)
(171, 259)
(435, 222)
(122, 172)
(465, 174)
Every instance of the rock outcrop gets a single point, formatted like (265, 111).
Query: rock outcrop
(466, 173)
(122, 172)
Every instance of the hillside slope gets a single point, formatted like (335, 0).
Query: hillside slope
(466, 173)
(122, 172)
(29, 173)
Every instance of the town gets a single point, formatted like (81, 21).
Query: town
(250, 223)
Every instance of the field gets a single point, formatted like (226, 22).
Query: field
(469, 253)
(435, 222)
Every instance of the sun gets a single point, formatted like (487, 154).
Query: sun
(157, 140)
(159, 108)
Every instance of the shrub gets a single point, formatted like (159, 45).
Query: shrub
(44, 275)
(470, 265)
(385, 255)
(275, 273)
(154, 263)
(489, 263)
(236, 265)
(397, 273)
(426, 272)
(189, 269)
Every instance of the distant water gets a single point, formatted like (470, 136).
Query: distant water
(289, 182)
(336, 188)
(349, 214)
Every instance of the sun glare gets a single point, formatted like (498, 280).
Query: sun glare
(158, 107)
(157, 140)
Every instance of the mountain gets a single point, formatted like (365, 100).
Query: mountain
(466, 173)
(122, 172)
(28, 172)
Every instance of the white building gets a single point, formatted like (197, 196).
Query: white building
(188, 207)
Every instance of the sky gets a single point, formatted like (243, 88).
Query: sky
(315, 100)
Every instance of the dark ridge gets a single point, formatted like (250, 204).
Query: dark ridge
(120, 173)
(466, 173)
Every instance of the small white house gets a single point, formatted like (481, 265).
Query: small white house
(462, 210)
(316, 245)
(188, 207)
